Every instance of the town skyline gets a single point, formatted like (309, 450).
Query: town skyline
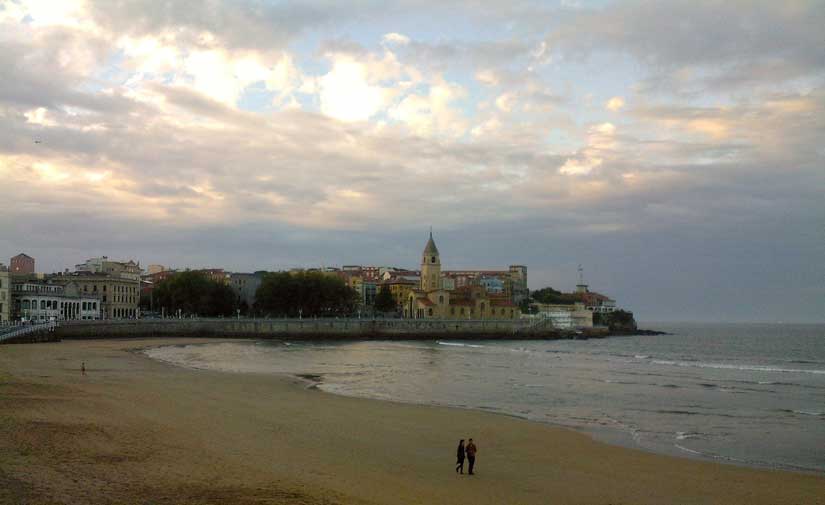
(681, 167)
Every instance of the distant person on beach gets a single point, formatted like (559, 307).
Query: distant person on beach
(471, 455)
(82, 368)
(459, 464)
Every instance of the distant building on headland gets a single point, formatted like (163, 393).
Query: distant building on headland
(571, 310)
(21, 264)
(511, 282)
(367, 281)
(565, 316)
(430, 300)
(595, 302)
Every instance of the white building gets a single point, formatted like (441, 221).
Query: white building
(50, 302)
(566, 316)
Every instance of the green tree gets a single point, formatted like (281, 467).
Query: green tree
(550, 295)
(310, 294)
(384, 301)
(194, 294)
(616, 320)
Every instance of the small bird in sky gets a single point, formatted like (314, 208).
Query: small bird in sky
(38, 141)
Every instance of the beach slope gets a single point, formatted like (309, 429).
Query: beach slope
(133, 430)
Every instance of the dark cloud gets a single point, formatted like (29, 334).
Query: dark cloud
(242, 24)
(714, 43)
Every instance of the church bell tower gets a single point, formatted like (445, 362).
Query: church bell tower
(430, 266)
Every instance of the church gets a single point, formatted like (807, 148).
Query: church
(431, 301)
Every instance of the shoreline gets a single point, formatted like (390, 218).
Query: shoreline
(139, 428)
(604, 434)
(614, 436)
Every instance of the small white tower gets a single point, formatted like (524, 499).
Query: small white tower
(581, 287)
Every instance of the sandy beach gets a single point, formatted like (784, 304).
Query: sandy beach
(134, 430)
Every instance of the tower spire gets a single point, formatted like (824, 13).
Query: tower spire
(430, 266)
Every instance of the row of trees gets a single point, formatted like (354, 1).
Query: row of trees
(194, 294)
(550, 295)
(306, 294)
(281, 294)
(384, 301)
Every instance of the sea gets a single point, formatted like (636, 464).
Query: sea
(746, 394)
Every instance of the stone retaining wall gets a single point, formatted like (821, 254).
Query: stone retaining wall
(308, 328)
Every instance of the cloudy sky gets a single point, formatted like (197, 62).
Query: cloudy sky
(675, 149)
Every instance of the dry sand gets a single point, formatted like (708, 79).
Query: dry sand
(137, 431)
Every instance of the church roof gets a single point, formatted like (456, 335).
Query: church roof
(430, 248)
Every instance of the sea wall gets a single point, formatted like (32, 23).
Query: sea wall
(296, 329)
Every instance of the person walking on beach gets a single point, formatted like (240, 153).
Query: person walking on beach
(82, 368)
(471, 455)
(459, 464)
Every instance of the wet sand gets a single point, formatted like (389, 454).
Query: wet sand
(134, 430)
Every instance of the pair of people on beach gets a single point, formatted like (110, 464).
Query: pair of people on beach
(470, 451)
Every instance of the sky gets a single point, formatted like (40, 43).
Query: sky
(676, 150)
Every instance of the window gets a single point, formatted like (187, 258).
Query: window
(452, 311)
(441, 299)
(104, 289)
(430, 312)
(94, 288)
(432, 260)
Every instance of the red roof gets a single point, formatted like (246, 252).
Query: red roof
(592, 296)
(399, 281)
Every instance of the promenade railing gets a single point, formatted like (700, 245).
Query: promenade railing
(9, 332)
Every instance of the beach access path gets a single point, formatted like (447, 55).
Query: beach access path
(134, 430)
